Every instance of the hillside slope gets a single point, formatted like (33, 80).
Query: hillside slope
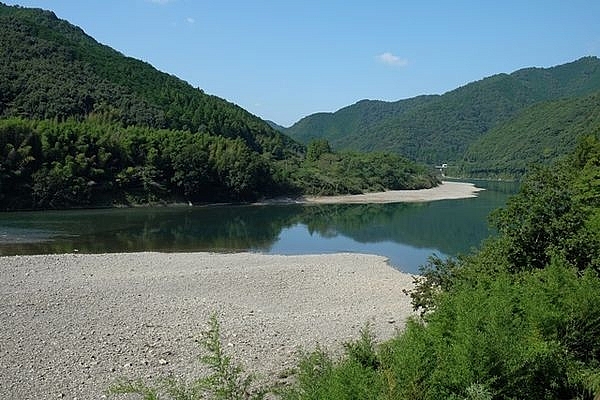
(344, 127)
(82, 125)
(50, 69)
(539, 135)
(436, 129)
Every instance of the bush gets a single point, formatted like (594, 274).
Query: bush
(226, 381)
(355, 376)
(528, 336)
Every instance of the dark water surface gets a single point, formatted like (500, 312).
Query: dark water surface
(406, 233)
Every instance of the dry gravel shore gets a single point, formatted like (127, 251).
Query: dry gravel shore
(445, 191)
(70, 325)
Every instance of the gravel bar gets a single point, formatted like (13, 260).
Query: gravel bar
(444, 191)
(73, 324)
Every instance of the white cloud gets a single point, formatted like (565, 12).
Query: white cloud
(190, 20)
(390, 59)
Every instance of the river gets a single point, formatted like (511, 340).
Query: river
(406, 233)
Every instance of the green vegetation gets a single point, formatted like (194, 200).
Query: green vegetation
(48, 164)
(517, 319)
(540, 135)
(524, 338)
(82, 125)
(436, 129)
(225, 381)
(74, 164)
(51, 69)
(344, 128)
(324, 172)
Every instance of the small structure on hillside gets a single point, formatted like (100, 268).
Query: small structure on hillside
(442, 168)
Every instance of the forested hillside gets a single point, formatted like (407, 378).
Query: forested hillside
(343, 128)
(539, 135)
(51, 69)
(436, 129)
(82, 125)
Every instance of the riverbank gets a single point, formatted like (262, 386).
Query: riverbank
(444, 191)
(70, 325)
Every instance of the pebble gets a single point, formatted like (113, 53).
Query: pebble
(78, 324)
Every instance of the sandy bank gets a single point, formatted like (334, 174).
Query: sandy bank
(445, 191)
(72, 324)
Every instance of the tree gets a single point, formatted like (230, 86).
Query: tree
(316, 149)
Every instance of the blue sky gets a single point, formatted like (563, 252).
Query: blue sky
(285, 59)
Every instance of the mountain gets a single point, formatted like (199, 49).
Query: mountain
(51, 69)
(540, 134)
(82, 125)
(275, 126)
(436, 129)
(342, 127)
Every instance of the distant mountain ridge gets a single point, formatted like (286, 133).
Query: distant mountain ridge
(440, 128)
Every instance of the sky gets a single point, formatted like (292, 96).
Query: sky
(285, 59)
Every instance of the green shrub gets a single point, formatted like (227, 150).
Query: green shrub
(526, 336)
(355, 376)
(226, 380)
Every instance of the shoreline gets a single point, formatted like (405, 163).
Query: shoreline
(447, 190)
(73, 324)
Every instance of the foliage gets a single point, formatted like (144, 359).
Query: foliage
(517, 319)
(316, 149)
(353, 377)
(555, 212)
(363, 350)
(539, 135)
(326, 173)
(506, 333)
(438, 129)
(226, 381)
(50, 69)
(435, 278)
(49, 164)
(73, 164)
(82, 125)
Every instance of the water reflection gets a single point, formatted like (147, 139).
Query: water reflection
(231, 228)
(405, 233)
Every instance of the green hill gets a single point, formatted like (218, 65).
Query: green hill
(82, 125)
(539, 135)
(51, 69)
(275, 126)
(437, 129)
(344, 128)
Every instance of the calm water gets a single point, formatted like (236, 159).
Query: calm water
(405, 233)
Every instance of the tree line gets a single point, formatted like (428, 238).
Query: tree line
(50, 164)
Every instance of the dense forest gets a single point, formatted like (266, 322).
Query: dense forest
(49, 164)
(541, 134)
(437, 129)
(83, 125)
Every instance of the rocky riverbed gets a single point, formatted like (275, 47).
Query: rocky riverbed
(73, 324)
